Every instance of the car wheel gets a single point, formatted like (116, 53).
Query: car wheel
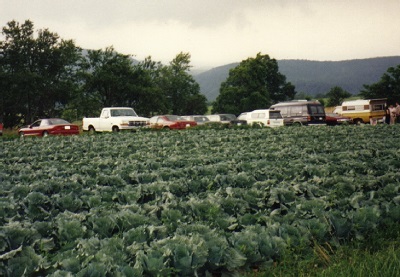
(21, 134)
(358, 121)
(91, 130)
(45, 134)
(115, 129)
(297, 124)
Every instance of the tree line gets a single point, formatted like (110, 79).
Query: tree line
(43, 75)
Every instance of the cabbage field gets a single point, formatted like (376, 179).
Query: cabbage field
(191, 203)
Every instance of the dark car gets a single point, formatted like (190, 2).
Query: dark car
(333, 119)
(49, 126)
(301, 112)
(200, 119)
(228, 119)
(170, 122)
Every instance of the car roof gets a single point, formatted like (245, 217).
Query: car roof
(264, 110)
(49, 118)
(296, 102)
(363, 101)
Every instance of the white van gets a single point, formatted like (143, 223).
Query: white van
(268, 118)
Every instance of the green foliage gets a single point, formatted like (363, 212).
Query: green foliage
(37, 74)
(304, 96)
(193, 202)
(254, 83)
(352, 259)
(111, 79)
(336, 96)
(45, 76)
(387, 87)
(181, 90)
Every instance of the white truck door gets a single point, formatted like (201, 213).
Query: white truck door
(104, 122)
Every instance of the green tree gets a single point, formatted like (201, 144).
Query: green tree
(37, 74)
(109, 80)
(387, 87)
(112, 79)
(153, 100)
(181, 90)
(255, 83)
(336, 95)
(302, 96)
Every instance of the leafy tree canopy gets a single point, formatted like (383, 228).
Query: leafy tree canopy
(255, 83)
(336, 96)
(182, 91)
(37, 73)
(109, 79)
(302, 96)
(387, 87)
(45, 76)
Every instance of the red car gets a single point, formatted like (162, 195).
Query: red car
(333, 119)
(170, 122)
(1, 129)
(49, 126)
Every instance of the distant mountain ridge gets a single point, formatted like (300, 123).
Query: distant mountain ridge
(311, 77)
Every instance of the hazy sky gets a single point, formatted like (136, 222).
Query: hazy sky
(217, 32)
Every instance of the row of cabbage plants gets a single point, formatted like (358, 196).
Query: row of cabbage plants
(193, 202)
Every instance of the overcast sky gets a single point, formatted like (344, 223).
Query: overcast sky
(218, 32)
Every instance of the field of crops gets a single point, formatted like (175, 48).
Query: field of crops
(193, 202)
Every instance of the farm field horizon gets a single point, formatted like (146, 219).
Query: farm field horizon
(192, 202)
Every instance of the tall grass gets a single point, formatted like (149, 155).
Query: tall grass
(379, 256)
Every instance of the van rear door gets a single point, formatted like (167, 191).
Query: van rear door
(316, 114)
(275, 118)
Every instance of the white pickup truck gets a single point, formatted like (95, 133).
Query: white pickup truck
(114, 119)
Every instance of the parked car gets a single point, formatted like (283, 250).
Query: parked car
(170, 122)
(49, 126)
(200, 119)
(301, 112)
(1, 129)
(242, 116)
(333, 119)
(114, 119)
(267, 118)
(229, 119)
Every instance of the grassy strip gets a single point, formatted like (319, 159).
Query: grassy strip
(378, 256)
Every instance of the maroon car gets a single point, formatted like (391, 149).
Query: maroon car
(170, 122)
(333, 119)
(49, 126)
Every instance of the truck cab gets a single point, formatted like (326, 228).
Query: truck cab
(115, 119)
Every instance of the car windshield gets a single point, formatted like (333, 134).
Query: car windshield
(242, 116)
(174, 117)
(201, 118)
(316, 109)
(56, 121)
(123, 112)
(227, 117)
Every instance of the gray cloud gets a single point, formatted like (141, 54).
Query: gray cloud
(220, 31)
(196, 14)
